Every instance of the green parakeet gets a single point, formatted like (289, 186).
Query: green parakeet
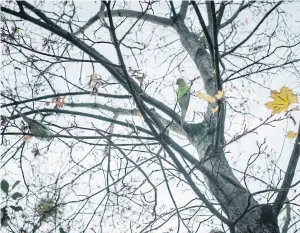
(183, 95)
(36, 127)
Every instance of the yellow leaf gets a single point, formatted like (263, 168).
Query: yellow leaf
(281, 100)
(93, 76)
(219, 95)
(291, 135)
(208, 98)
(215, 109)
(277, 107)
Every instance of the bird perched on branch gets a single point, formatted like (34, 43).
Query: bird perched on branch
(38, 129)
(183, 95)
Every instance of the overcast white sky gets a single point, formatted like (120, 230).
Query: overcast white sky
(45, 168)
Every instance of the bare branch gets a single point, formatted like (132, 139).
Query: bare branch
(116, 72)
(254, 30)
(209, 13)
(107, 119)
(170, 125)
(125, 13)
(62, 94)
(238, 11)
(216, 47)
(183, 9)
(289, 175)
(219, 135)
(204, 28)
(287, 220)
(173, 9)
(220, 13)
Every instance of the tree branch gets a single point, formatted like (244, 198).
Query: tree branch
(170, 125)
(287, 220)
(219, 134)
(183, 9)
(209, 13)
(173, 9)
(220, 14)
(62, 94)
(125, 13)
(254, 30)
(144, 111)
(238, 11)
(216, 46)
(204, 28)
(115, 71)
(80, 137)
(98, 117)
(57, 57)
(289, 175)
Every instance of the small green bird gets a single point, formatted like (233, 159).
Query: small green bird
(183, 95)
(36, 128)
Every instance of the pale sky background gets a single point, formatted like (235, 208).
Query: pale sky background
(44, 169)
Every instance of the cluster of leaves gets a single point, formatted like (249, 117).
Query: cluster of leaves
(282, 101)
(45, 206)
(5, 187)
(211, 99)
(58, 101)
(95, 83)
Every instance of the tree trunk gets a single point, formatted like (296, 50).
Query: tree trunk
(235, 200)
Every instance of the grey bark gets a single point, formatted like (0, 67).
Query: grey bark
(234, 200)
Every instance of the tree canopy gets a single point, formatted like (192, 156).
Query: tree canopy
(92, 133)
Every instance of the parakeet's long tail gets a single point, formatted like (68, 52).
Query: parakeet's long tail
(183, 112)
